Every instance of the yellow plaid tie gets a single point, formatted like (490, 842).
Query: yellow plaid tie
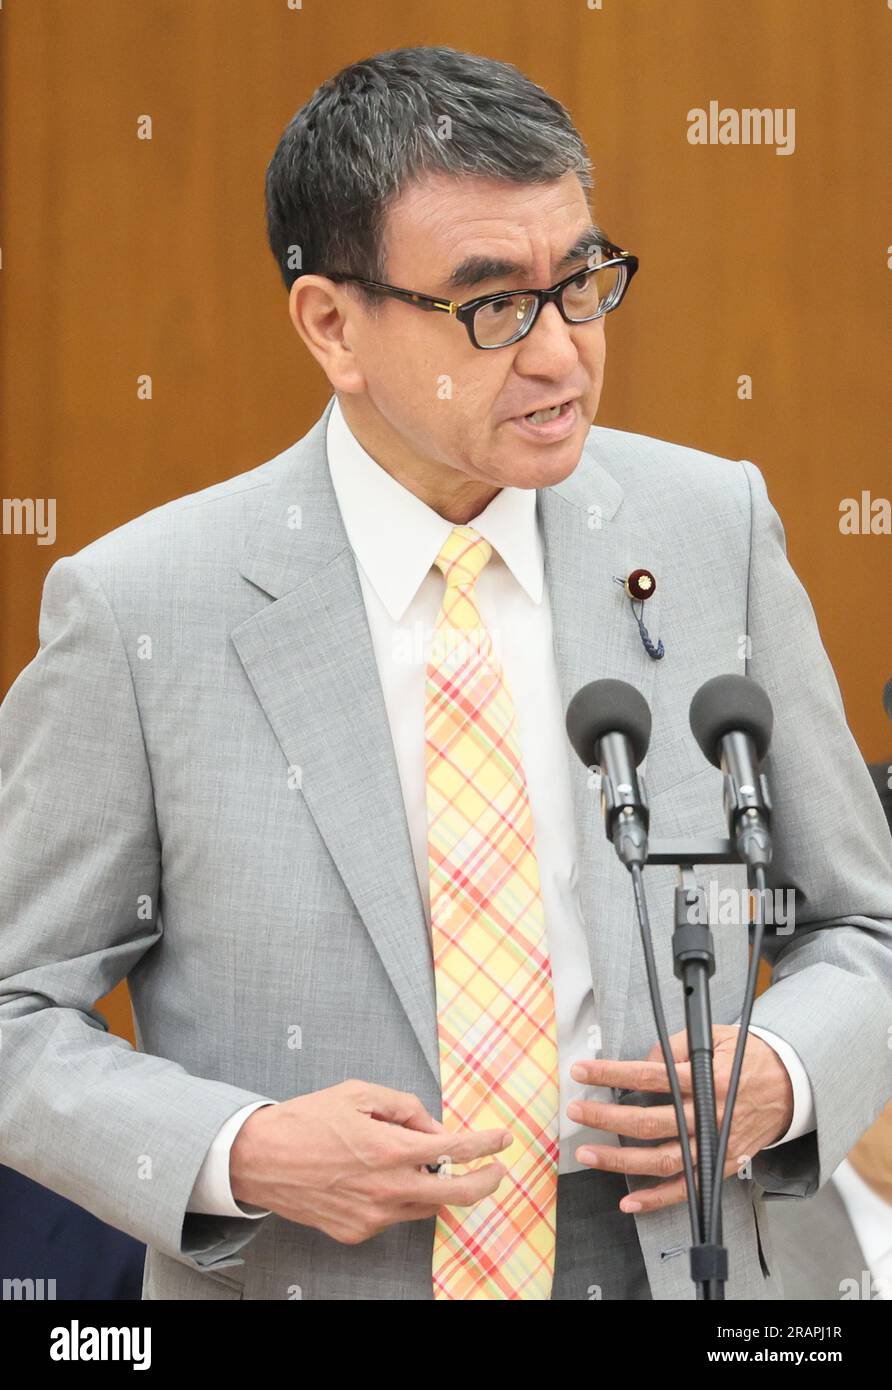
(495, 1003)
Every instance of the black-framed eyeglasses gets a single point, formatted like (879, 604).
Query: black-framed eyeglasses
(498, 320)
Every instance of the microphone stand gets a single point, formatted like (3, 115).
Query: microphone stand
(618, 738)
(694, 964)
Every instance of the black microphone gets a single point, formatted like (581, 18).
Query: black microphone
(608, 724)
(887, 697)
(732, 720)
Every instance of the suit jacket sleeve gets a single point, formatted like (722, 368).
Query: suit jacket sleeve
(115, 1130)
(831, 985)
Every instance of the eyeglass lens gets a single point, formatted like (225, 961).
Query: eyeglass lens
(594, 292)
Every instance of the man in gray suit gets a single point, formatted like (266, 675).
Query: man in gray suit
(215, 778)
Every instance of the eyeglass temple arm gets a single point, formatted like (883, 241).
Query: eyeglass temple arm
(424, 301)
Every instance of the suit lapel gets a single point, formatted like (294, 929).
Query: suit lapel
(587, 541)
(310, 660)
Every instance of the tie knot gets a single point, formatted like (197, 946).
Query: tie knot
(463, 556)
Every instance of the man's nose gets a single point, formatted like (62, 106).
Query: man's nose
(550, 342)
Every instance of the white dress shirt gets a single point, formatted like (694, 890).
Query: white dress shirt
(871, 1217)
(395, 538)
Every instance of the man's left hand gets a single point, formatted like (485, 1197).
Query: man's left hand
(763, 1112)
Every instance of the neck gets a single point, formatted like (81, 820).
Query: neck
(448, 492)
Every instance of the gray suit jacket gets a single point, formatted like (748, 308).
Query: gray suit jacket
(199, 793)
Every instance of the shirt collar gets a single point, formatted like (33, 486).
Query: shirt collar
(396, 537)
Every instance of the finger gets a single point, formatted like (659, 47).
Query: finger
(630, 1076)
(398, 1107)
(429, 1125)
(424, 1210)
(453, 1147)
(639, 1121)
(678, 1046)
(463, 1190)
(660, 1162)
(664, 1194)
(605, 1157)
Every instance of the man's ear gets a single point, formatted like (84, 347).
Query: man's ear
(328, 320)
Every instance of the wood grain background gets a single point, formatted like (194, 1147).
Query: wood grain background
(123, 256)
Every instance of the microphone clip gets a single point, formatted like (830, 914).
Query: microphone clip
(624, 805)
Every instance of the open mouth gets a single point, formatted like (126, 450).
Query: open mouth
(538, 417)
(552, 424)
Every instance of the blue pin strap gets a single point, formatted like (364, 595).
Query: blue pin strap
(655, 652)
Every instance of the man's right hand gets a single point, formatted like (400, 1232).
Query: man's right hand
(350, 1160)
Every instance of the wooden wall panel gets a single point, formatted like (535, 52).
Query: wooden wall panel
(123, 256)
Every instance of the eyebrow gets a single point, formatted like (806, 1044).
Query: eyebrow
(476, 270)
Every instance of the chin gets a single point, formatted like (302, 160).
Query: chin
(548, 473)
(550, 464)
(556, 470)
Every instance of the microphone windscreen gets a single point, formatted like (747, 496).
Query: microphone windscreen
(731, 704)
(607, 707)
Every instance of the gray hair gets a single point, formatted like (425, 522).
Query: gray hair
(378, 124)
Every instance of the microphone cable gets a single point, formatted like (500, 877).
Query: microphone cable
(663, 1035)
(758, 873)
